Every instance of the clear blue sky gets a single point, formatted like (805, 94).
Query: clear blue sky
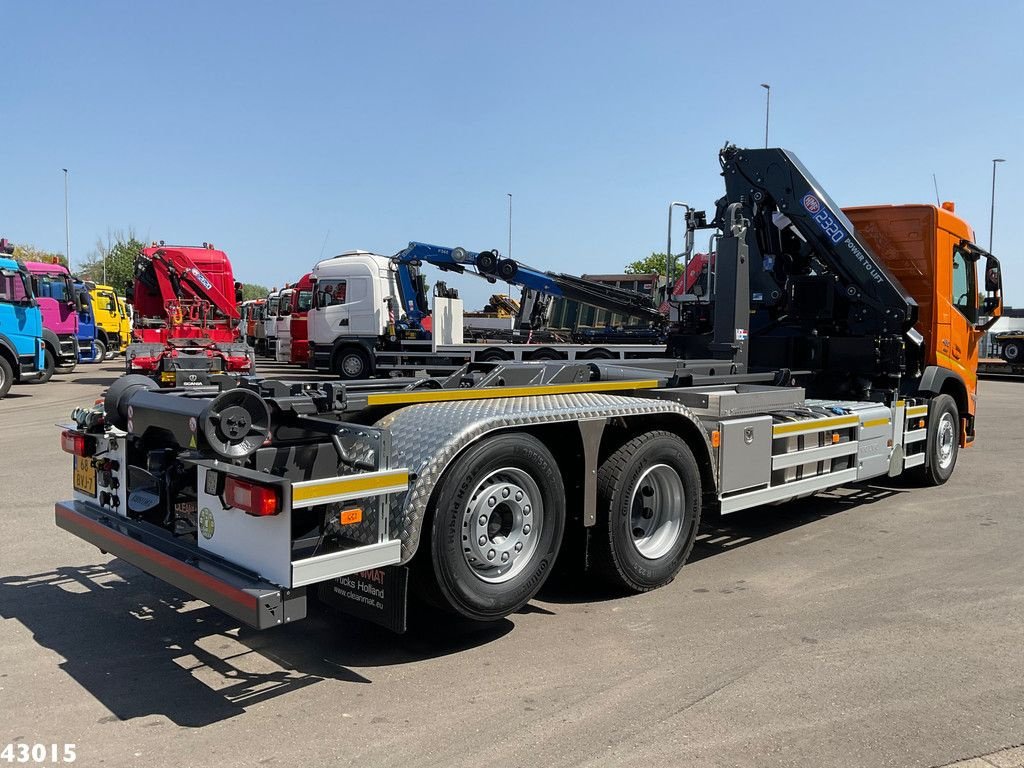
(261, 127)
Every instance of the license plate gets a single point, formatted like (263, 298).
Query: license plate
(84, 478)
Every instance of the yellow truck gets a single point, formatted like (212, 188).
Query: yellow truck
(113, 325)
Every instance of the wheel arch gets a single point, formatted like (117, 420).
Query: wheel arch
(9, 353)
(50, 339)
(942, 381)
(364, 345)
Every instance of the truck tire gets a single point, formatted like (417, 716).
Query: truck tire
(49, 366)
(544, 353)
(493, 355)
(496, 527)
(597, 354)
(943, 443)
(351, 363)
(1012, 352)
(6, 376)
(649, 494)
(101, 351)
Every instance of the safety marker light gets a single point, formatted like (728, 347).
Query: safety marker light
(716, 439)
(351, 516)
(76, 443)
(256, 500)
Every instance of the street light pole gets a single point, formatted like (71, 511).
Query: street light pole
(767, 110)
(67, 221)
(509, 255)
(992, 211)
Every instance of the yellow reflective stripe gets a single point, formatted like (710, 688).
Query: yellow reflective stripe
(876, 422)
(376, 482)
(900, 403)
(917, 410)
(487, 393)
(814, 424)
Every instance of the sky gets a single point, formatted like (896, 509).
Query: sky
(287, 132)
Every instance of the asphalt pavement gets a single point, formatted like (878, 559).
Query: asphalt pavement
(879, 625)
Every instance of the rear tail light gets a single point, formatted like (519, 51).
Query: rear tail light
(76, 443)
(254, 499)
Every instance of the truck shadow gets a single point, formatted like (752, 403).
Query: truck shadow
(142, 648)
(103, 381)
(723, 534)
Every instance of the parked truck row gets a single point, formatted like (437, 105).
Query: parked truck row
(69, 320)
(828, 346)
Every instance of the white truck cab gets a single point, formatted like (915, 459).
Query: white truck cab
(270, 309)
(283, 348)
(352, 294)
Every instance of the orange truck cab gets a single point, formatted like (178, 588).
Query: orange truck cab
(931, 252)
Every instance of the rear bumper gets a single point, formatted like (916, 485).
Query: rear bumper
(241, 595)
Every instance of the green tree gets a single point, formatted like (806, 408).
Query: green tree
(657, 263)
(254, 291)
(31, 253)
(112, 261)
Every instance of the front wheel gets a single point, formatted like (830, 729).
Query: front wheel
(1012, 352)
(649, 492)
(6, 376)
(497, 526)
(101, 351)
(351, 363)
(943, 444)
(49, 366)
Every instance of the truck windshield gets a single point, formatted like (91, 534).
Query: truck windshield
(14, 287)
(305, 299)
(57, 287)
(109, 302)
(272, 307)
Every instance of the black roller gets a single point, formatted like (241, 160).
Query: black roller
(507, 269)
(115, 401)
(236, 423)
(486, 261)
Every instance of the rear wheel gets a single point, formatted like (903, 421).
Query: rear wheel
(650, 493)
(545, 354)
(351, 363)
(1012, 351)
(493, 356)
(49, 366)
(943, 445)
(6, 376)
(497, 526)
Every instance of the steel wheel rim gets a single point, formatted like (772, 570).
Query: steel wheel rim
(945, 438)
(352, 365)
(1011, 351)
(657, 507)
(501, 525)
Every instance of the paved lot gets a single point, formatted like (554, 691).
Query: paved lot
(878, 626)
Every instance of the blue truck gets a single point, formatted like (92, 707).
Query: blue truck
(90, 348)
(21, 324)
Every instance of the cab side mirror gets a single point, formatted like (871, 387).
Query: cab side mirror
(993, 275)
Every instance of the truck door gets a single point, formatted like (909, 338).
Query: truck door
(332, 316)
(959, 345)
(362, 311)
